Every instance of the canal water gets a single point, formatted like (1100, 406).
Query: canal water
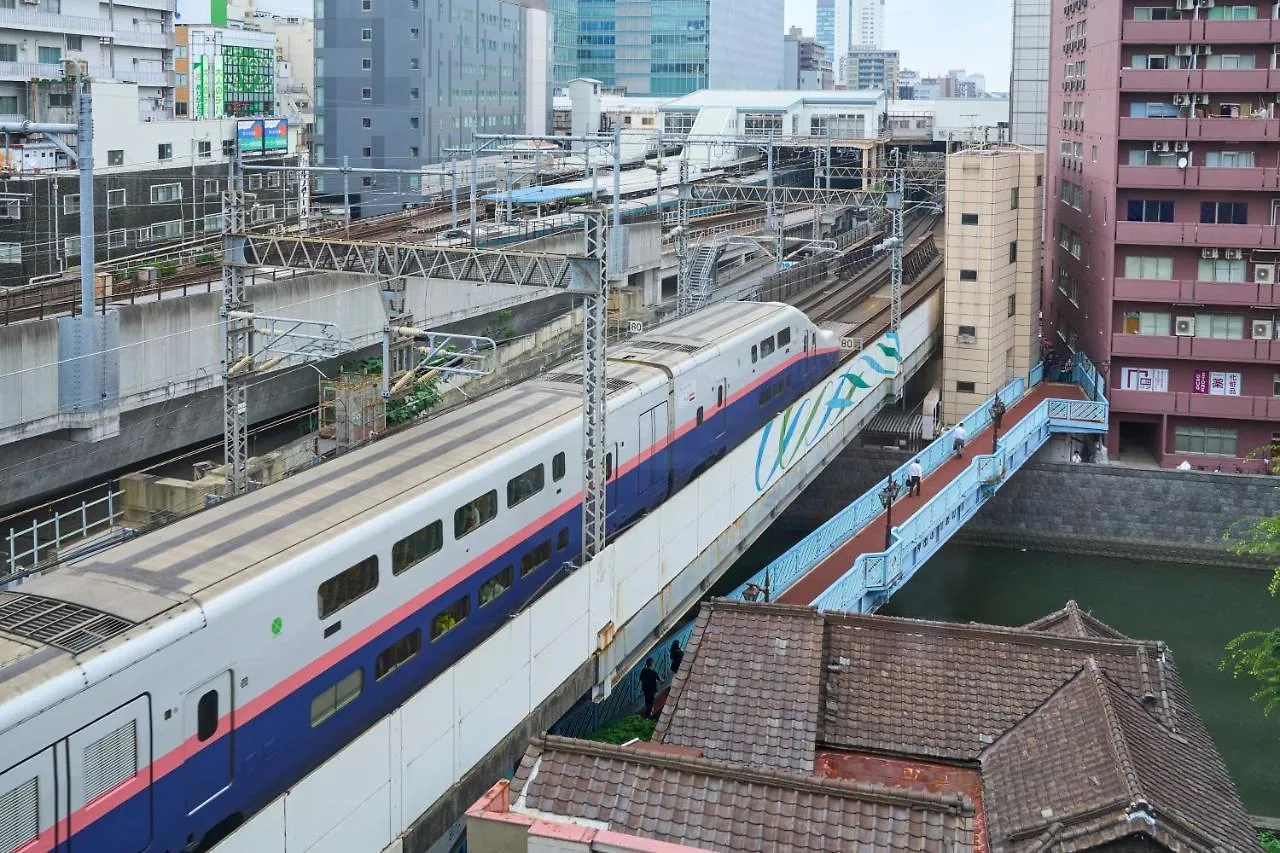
(1195, 609)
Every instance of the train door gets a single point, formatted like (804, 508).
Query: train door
(611, 463)
(110, 781)
(31, 806)
(652, 476)
(207, 741)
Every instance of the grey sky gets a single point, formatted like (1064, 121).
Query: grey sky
(938, 35)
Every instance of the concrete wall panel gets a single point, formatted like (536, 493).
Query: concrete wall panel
(28, 372)
(335, 794)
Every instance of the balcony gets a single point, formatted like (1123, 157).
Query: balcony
(146, 78)
(1231, 129)
(1261, 31)
(25, 71)
(1169, 291)
(142, 38)
(1157, 32)
(1153, 128)
(1152, 177)
(1246, 351)
(1227, 80)
(24, 19)
(1164, 81)
(1186, 403)
(1196, 234)
(1198, 177)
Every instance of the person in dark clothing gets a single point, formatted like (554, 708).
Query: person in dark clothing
(997, 412)
(677, 655)
(751, 593)
(649, 685)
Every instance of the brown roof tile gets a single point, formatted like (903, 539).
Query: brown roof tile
(722, 806)
(750, 695)
(1074, 622)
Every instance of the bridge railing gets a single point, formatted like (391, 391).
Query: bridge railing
(802, 557)
(874, 576)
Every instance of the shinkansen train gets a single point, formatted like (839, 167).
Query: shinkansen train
(155, 695)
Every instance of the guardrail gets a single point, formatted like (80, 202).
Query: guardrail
(42, 540)
(878, 574)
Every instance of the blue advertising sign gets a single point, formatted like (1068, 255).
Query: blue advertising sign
(275, 136)
(249, 135)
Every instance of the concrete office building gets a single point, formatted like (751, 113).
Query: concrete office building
(991, 301)
(1029, 74)
(1164, 227)
(399, 84)
(871, 68)
(673, 47)
(129, 41)
(805, 63)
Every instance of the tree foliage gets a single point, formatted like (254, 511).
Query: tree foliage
(1256, 654)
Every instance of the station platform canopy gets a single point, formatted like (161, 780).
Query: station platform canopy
(537, 195)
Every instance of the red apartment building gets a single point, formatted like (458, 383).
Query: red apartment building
(1163, 227)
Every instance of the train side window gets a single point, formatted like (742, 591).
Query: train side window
(495, 586)
(557, 467)
(450, 618)
(766, 347)
(346, 586)
(524, 486)
(608, 467)
(535, 558)
(416, 547)
(397, 654)
(478, 512)
(335, 698)
(699, 416)
(562, 539)
(753, 353)
(784, 338)
(207, 716)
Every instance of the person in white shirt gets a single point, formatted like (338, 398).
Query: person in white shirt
(958, 437)
(914, 475)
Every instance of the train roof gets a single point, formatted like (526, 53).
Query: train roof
(57, 618)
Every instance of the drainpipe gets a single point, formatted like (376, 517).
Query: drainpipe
(84, 145)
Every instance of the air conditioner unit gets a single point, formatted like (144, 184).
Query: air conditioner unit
(1182, 147)
(1202, 99)
(1184, 326)
(1204, 49)
(967, 339)
(1181, 100)
(1159, 146)
(1182, 50)
(1209, 253)
(1233, 254)
(1263, 330)
(1186, 4)
(1264, 273)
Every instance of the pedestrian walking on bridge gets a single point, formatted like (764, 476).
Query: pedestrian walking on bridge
(997, 411)
(958, 438)
(649, 686)
(915, 474)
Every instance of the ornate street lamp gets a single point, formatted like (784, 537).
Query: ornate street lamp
(887, 496)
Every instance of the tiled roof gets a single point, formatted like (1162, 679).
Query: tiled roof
(1092, 766)
(720, 806)
(1074, 622)
(751, 694)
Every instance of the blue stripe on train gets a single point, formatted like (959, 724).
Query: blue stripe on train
(279, 746)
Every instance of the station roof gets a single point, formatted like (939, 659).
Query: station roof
(772, 100)
(537, 195)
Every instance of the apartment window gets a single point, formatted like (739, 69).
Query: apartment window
(1156, 13)
(1224, 212)
(365, 35)
(1147, 157)
(366, 94)
(347, 586)
(450, 618)
(1067, 284)
(117, 238)
(1233, 13)
(115, 157)
(73, 42)
(163, 193)
(8, 103)
(164, 151)
(1149, 211)
(968, 275)
(71, 246)
(1221, 326)
(1211, 441)
(496, 585)
(1146, 323)
(60, 99)
(475, 514)
(210, 187)
(1229, 160)
(413, 151)
(71, 204)
(1013, 199)
(204, 148)
(1140, 266)
(416, 547)
(10, 253)
(212, 222)
(1013, 252)
(413, 122)
(1156, 109)
(49, 54)
(10, 208)
(413, 93)
(969, 332)
(366, 151)
(966, 387)
(166, 230)
(335, 698)
(968, 219)
(1012, 306)
(1275, 385)
(366, 63)
(1228, 61)
(398, 653)
(366, 122)
(413, 63)
(366, 5)
(1217, 269)
(9, 53)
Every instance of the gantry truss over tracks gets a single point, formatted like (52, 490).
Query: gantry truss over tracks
(401, 260)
